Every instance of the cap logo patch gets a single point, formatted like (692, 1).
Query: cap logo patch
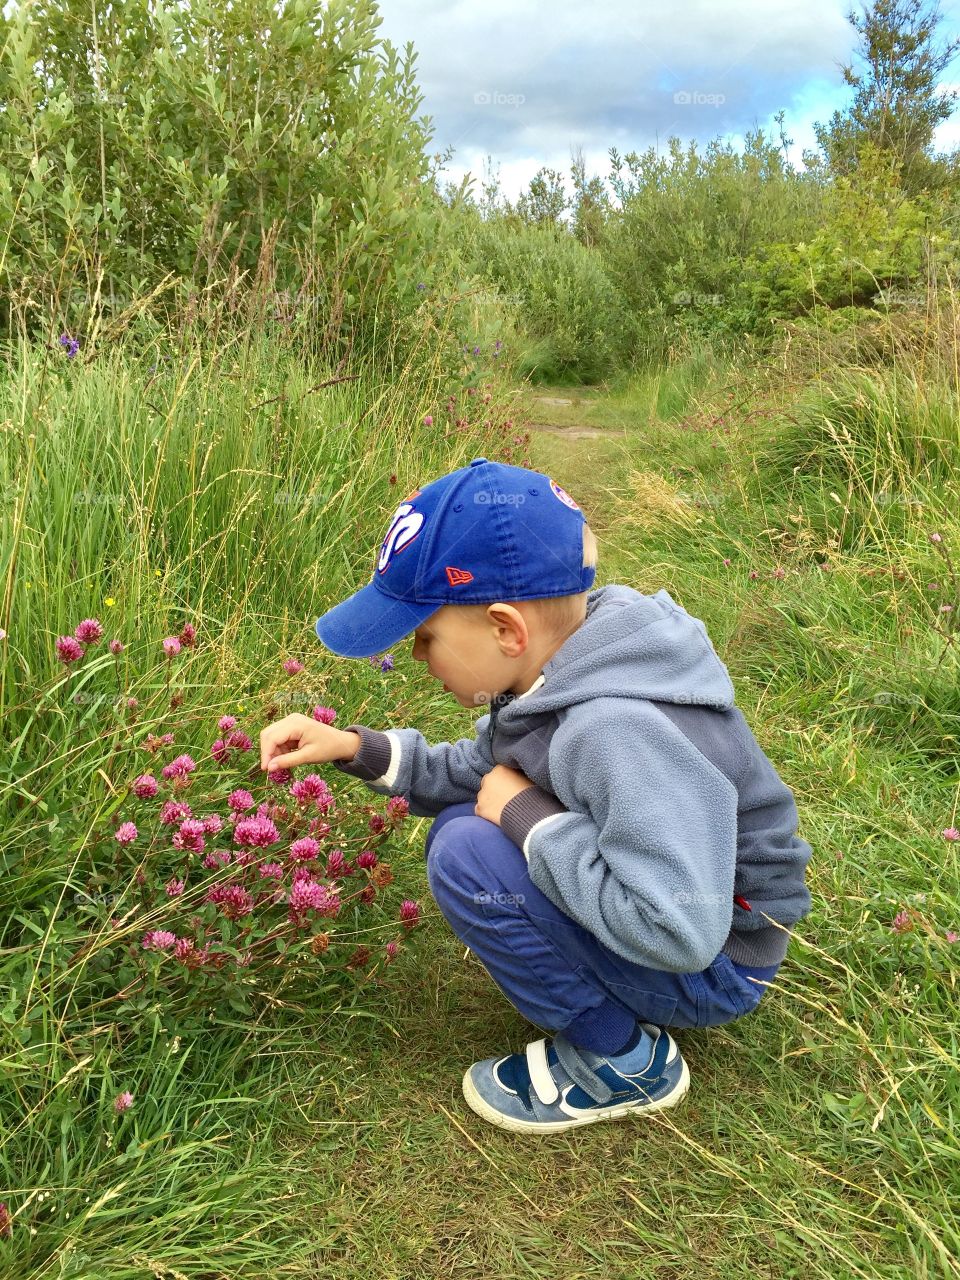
(563, 496)
(458, 576)
(405, 524)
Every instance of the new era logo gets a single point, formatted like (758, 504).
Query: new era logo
(456, 577)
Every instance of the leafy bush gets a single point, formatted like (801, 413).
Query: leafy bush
(687, 222)
(559, 296)
(244, 149)
(871, 241)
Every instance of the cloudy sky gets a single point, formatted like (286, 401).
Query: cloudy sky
(512, 85)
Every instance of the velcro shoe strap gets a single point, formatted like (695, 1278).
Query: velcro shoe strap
(578, 1070)
(540, 1076)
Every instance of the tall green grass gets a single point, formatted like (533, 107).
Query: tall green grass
(234, 482)
(268, 1145)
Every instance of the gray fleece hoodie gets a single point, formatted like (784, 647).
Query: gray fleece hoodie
(656, 820)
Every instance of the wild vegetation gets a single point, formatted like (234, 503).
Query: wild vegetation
(240, 317)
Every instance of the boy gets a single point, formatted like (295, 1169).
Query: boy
(613, 845)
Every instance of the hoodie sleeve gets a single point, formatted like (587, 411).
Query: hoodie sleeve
(645, 855)
(399, 762)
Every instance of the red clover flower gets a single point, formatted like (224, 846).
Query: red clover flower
(240, 800)
(89, 631)
(409, 913)
(69, 649)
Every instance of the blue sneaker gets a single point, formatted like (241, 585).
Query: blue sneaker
(555, 1085)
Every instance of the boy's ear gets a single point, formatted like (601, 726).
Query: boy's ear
(513, 622)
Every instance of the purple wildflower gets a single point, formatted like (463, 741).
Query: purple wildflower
(89, 631)
(218, 858)
(190, 835)
(307, 895)
(258, 832)
(398, 808)
(233, 900)
(159, 940)
(409, 912)
(174, 811)
(180, 767)
(69, 649)
(312, 787)
(304, 849)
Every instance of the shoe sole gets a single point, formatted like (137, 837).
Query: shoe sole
(483, 1108)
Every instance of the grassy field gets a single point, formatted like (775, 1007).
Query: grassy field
(819, 1137)
(327, 1132)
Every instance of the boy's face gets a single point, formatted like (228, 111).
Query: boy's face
(476, 655)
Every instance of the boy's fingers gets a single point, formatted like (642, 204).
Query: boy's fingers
(289, 761)
(274, 736)
(276, 750)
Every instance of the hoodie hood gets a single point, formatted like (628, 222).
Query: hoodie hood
(632, 646)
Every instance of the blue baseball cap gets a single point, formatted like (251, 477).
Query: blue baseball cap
(483, 533)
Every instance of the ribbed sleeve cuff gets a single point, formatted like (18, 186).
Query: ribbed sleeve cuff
(525, 810)
(372, 760)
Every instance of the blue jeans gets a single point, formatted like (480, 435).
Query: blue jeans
(552, 969)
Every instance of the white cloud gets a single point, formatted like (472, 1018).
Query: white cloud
(552, 77)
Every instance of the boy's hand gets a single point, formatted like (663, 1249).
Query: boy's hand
(299, 739)
(498, 787)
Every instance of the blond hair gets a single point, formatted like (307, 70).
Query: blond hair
(555, 617)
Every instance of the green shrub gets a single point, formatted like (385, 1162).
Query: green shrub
(565, 310)
(868, 250)
(217, 147)
(687, 222)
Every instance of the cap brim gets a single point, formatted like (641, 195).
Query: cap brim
(369, 622)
